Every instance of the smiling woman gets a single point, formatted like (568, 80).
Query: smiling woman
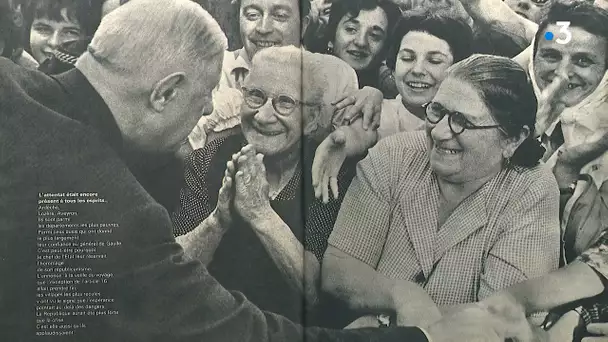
(576, 71)
(422, 48)
(474, 213)
(52, 23)
(280, 233)
(357, 32)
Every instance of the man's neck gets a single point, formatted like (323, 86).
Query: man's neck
(124, 113)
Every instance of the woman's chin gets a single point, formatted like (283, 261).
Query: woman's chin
(413, 100)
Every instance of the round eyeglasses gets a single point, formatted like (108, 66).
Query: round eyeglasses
(457, 121)
(282, 104)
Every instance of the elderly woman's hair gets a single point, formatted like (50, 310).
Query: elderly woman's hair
(352, 8)
(313, 69)
(580, 14)
(505, 89)
(455, 32)
(182, 31)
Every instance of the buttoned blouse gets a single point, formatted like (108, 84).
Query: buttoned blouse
(504, 233)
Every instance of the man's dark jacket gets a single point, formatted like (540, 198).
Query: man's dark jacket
(58, 136)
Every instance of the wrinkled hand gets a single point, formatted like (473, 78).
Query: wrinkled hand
(251, 199)
(563, 329)
(319, 12)
(600, 329)
(476, 323)
(329, 157)
(365, 102)
(570, 160)
(549, 104)
(222, 211)
(593, 147)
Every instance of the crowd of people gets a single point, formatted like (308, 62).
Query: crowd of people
(359, 170)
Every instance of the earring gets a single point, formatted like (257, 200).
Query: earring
(507, 161)
(330, 48)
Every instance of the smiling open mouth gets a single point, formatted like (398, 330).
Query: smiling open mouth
(522, 14)
(358, 54)
(442, 150)
(264, 44)
(267, 132)
(418, 85)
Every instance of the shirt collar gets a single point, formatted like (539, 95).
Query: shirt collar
(90, 108)
(241, 59)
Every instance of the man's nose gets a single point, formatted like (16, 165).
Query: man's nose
(264, 25)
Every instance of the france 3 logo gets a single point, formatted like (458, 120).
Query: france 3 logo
(564, 32)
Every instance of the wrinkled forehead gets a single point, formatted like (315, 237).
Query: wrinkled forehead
(276, 77)
(582, 41)
(458, 95)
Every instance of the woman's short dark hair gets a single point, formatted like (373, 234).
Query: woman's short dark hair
(580, 14)
(86, 12)
(341, 8)
(505, 89)
(457, 33)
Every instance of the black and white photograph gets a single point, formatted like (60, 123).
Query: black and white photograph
(304, 170)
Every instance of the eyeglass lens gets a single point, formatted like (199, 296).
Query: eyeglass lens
(456, 120)
(256, 98)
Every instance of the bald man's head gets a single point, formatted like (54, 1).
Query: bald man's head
(155, 62)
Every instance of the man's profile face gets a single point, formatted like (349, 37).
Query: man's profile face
(265, 23)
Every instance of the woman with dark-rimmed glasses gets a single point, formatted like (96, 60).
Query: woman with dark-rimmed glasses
(461, 209)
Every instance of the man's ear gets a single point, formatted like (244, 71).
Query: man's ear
(166, 90)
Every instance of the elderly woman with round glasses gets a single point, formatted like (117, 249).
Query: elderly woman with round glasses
(246, 211)
(461, 209)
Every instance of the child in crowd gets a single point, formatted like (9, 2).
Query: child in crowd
(53, 23)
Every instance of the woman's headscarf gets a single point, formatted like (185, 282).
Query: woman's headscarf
(581, 123)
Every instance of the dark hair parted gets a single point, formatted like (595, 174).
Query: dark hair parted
(580, 14)
(505, 89)
(86, 12)
(457, 33)
(352, 8)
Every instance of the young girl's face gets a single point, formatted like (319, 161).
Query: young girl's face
(47, 35)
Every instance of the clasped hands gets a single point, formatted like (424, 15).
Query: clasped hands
(245, 189)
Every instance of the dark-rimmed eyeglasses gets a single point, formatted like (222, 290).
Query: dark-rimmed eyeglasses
(282, 104)
(457, 121)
